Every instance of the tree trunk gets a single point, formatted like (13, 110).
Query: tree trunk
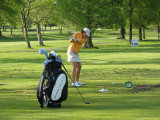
(122, 33)
(25, 12)
(130, 30)
(130, 20)
(22, 29)
(158, 32)
(144, 36)
(89, 43)
(61, 26)
(11, 30)
(4, 28)
(42, 29)
(39, 34)
(140, 33)
(26, 37)
(0, 32)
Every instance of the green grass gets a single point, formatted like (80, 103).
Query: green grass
(116, 62)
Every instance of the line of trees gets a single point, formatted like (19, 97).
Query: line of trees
(109, 14)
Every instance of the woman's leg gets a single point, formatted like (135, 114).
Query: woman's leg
(78, 69)
(74, 68)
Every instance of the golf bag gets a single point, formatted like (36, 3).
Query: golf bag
(53, 84)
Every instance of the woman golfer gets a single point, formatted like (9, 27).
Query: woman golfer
(76, 42)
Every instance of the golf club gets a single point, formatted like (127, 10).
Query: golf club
(76, 86)
(55, 3)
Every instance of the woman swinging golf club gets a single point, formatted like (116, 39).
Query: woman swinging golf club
(76, 42)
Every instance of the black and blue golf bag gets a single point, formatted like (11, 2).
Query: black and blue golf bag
(53, 84)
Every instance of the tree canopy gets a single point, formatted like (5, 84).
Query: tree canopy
(107, 14)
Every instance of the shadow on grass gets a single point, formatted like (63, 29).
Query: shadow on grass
(102, 107)
(23, 101)
(33, 37)
(154, 49)
(123, 49)
(20, 60)
(86, 61)
(120, 61)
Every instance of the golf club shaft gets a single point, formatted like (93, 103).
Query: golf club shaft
(63, 19)
(74, 84)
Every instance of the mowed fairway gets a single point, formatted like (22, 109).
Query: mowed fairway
(107, 66)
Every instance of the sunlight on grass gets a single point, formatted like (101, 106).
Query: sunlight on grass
(108, 65)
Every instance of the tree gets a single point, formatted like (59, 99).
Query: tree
(25, 12)
(155, 14)
(123, 19)
(130, 5)
(41, 11)
(142, 16)
(130, 9)
(92, 14)
(8, 11)
(138, 17)
(122, 32)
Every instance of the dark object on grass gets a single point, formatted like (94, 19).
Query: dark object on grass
(53, 84)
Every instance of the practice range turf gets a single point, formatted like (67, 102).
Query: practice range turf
(109, 65)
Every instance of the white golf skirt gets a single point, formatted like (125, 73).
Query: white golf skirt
(73, 57)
